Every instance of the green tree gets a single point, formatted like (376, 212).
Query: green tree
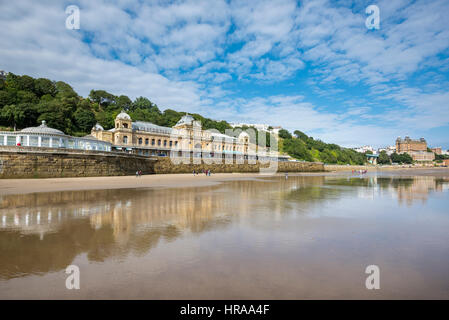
(26, 97)
(300, 135)
(123, 102)
(106, 119)
(7, 97)
(144, 103)
(19, 116)
(44, 86)
(102, 97)
(383, 158)
(65, 91)
(406, 158)
(297, 149)
(58, 114)
(84, 119)
(284, 134)
(20, 82)
(328, 157)
(401, 158)
(170, 117)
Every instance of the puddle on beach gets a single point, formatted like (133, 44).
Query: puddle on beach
(267, 238)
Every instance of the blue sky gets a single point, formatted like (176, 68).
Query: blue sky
(307, 65)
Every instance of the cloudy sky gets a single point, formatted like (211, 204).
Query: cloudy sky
(308, 65)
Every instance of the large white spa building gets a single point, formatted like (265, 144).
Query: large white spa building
(146, 139)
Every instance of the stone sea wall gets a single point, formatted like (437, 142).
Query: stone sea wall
(165, 165)
(29, 162)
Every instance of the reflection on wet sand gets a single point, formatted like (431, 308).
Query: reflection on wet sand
(407, 189)
(45, 232)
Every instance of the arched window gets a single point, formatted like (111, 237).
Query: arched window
(125, 125)
(147, 141)
(165, 143)
(125, 139)
(159, 142)
(140, 140)
(153, 142)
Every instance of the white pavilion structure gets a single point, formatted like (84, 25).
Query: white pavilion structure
(46, 137)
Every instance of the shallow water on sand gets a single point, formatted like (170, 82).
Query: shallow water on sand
(266, 238)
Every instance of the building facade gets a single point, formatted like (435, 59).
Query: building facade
(389, 150)
(417, 149)
(46, 137)
(422, 156)
(186, 137)
(365, 149)
(407, 144)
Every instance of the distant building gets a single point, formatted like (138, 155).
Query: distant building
(437, 150)
(258, 126)
(365, 149)
(275, 130)
(417, 149)
(389, 150)
(3, 74)
(407, 144)
(422, 156)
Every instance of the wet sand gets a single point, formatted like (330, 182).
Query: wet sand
(24, 186)
(309, 237)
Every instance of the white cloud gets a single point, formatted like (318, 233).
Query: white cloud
(336, 39)
(38, 44)
(193, 55)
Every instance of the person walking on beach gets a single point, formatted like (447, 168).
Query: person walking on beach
(137, 174)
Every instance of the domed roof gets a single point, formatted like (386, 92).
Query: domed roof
(98, 127)
(42, 129)
(187, 119)
(123, 116)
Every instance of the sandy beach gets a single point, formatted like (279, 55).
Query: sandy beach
(24, 186)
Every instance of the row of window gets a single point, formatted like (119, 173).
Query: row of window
(140, 141)
(227, 148)
(159, 142)
(170, 143)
